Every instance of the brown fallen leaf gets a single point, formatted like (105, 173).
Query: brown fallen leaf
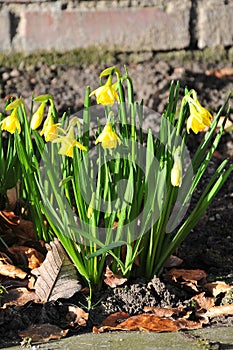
(112, 279)
(26, 256)
(216, 311)
(188, 278)
(19, 296)
(186, 275)
(149, 322)
(11, 271)
(164, 311)
(188, 324)
(221, 73)
(43, 332)
(114, 319)
(8, 219)
(203, 303)
(218, 287)
(76, 316)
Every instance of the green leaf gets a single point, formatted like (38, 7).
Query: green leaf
(106, 249)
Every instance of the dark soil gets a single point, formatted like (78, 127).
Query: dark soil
(208, 247)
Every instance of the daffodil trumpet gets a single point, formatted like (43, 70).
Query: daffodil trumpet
(199, 118)
(106, 94)
(11, 123)
(108, 137)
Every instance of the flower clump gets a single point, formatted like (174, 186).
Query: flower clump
(122, 204)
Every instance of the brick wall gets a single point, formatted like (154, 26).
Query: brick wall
(124, 25)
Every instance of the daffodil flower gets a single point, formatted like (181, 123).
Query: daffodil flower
(108, 137)
(176, 172)
(50, 129)
(106, 94)
(199, 117)
(68, 142)
(11, 123)
(38, 116)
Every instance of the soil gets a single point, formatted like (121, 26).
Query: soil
(210, 244)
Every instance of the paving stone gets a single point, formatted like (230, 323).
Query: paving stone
(222, 335)
(121, 340)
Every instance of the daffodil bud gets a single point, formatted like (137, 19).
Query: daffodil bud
(43, 98)
(38, 117)
(176, 172)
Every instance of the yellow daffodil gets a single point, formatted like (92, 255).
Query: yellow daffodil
(108, 137)
(106, 94)
(11, 123)
(50, 129)
(38, 116)
(176, 172)
(199, 117)
(68, 142)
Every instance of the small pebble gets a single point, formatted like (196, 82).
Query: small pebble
(14, 73)
(5, 76)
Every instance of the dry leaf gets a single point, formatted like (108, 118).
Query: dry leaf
(216, 311)
(150, 322)
(114, 319)
(19, 297)
(8, 219)
(11, 271)
(203, 303)
(26, 256)
(43, 332)
(164, 311)
(188, 325)
(76, 316)
(112, 279)
(218, 287)
(191, 277)
(186, 275)
(56, 277)
(221, 73)
(188, 278)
